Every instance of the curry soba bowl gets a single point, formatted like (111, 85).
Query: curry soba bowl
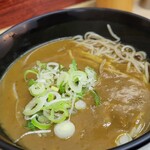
(76, 79)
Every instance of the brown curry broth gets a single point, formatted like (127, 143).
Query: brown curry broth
(123, 100)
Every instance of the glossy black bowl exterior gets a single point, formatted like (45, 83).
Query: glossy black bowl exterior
(132, 29)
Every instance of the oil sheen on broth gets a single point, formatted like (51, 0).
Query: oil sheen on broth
(124, 101)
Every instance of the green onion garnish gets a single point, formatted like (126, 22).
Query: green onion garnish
(96, 98)
(56, 92)
(29, 72)
(31, 82)
(74, 65)
(30, 125)
(40, 125)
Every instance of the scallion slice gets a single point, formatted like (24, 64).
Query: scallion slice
(29, 72)
(63, 114)
(39, 125)
(96, 98)
(37, 89)
(31, 82)
(33, 106)
(74, 65)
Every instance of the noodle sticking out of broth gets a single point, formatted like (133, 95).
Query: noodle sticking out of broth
(94, 77)
(120, 53)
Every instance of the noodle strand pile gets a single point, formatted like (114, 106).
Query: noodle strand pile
(120, 53)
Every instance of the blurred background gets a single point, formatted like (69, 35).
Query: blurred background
(13, 12)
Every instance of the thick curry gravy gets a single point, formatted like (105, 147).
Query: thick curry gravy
(124, 100)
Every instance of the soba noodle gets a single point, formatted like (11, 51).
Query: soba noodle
(100, 46)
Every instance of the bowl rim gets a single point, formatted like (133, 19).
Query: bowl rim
(136, 143)
(75, 10)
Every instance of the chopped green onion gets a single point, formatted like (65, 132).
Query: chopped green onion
(56, 92)
(96, 98)
(56, 115)
(59, 104)
(37, 89)
(61, 67)
(40, 125)
(82, 78)
(80, 105)
(63, 78)
(90, 73)
(31, 82)
(74, 65)
(30, 125)
(29, 72)
(122, 139)
(64, 130)
(54, 88)
(62, 116)
(62, 88)
(80, 95)
(43, 119)
(41, 65)
(50, 97)
(52, 66)
(33, 106)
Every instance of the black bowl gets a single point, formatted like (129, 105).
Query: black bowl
(132, 29)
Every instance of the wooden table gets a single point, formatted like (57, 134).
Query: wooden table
(15, 11)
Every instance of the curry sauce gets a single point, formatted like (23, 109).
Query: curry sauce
(125, 100)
